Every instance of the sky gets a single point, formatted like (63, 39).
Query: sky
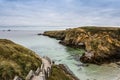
(59, 13)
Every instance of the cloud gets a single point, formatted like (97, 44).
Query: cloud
(59, 12)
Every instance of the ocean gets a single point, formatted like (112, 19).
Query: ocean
(45, 46)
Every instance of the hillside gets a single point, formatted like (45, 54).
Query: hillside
(59, 72)
(16, 60)
(102, 44)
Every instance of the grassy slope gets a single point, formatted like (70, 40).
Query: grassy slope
(16, 60)
(103, 43)
(59, 74)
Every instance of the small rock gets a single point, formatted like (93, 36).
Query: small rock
(81, 44)
(118, 63)
(40, 34)
(83, 65)
(9, 30)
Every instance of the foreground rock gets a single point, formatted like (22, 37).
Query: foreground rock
(102, 44)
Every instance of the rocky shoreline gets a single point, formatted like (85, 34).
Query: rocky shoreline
(102, 44)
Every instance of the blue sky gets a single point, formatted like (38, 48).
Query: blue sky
(59, 12)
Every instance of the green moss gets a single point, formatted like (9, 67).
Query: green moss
(16, 60)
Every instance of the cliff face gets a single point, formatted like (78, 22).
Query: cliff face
(102, 44)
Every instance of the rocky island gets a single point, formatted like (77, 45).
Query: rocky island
(101, 44)
(16, 60)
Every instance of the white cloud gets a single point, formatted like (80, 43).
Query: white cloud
(52, 14)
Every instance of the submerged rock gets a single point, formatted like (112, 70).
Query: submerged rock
(83, 65)
(102, 44)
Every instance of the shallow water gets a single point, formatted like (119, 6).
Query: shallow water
(50, 47)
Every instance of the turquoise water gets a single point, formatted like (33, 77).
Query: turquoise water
(50, 47)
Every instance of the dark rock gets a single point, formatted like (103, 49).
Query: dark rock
(83, 65)
(118, 63)
(9, 30)
(39, 34)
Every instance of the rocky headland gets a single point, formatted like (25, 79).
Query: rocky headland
(101, 44)
(16, 60)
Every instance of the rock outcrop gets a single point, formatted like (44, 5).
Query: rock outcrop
(102, 44)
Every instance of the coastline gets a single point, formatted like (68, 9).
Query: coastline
(22, 62)
(100, 43)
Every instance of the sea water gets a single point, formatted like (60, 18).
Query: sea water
(45, 46)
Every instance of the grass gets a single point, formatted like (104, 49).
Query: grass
(58, 74)
(102, 42)
(16, 60)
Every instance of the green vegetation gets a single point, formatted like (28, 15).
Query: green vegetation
(16, 60)
(102, 44)
(59, 74)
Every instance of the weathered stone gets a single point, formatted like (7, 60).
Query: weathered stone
(17, 78)
(30, 75)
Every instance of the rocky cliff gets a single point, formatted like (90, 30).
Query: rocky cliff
(102, 44)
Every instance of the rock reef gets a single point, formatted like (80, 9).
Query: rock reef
(102, 44)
